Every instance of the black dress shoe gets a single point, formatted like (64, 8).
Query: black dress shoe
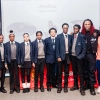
(65, 89)
(59, 90)
(17, 91)
(24, 90)
(28, 89)
(3, 90)
(86, 87)
(11, 91)
(82, 92)
(74, 88)
(92, 90)
(54, 86)
(48, 88)
(42, 89)
(35, 89)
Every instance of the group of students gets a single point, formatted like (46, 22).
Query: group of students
(57, 52)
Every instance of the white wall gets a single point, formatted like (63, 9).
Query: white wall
(33, 15)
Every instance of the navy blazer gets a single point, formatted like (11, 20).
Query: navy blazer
(50, 52)
(80, 47)
(8, 52)
(1, 58)
(35, 50)
(61, 48)
(22, 52)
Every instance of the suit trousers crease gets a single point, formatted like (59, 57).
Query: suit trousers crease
(90, 68)
(39, 70)
(77, 70)
(3, 71)
(51, 74)
(63, 64)
(14, 75)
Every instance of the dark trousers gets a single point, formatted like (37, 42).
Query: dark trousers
(98, 71)
(66, 72)
(39, 69)
(77, 69)
(14, 75)
(27, 71)
(3, 71)
(51, 74)
(89, 68)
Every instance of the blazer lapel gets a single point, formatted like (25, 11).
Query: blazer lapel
(23, 48)
(78, 38)
(62, 38)
(51, 42)
(30, 49)
(72, 38)
(9, 47)
(16, 46)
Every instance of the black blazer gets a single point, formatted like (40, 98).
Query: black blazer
(35, 50)
(50, 52)
(1, 58)
(60, 47)
(94, 44)
(80, 47)
(8, 52)
(22, 52)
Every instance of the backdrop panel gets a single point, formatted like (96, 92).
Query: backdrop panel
(23, 16)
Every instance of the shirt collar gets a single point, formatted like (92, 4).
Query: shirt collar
(53, 37)
(76, 34)
(39, 40)
(1, 44)
(65, 34)
(26, 43)
(12, 42)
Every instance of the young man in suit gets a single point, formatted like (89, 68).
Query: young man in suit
(2, 63)
(39, 60)
(63, 56)
(51, 61)
(12, 54)
(78, 52)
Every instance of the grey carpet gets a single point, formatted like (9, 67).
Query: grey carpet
(53, 95)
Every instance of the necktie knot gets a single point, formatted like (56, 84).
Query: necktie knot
(39, 40)
(12, 43)
(27, 43)
(66, 36)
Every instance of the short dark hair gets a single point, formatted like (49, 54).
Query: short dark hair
(25, 34)
(39, 32)
(77, 25)
(1, 34)
(65, 24)
(52, 29)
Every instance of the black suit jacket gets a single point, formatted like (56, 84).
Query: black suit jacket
(1, 58)
(50, 52)
(35, 50)
(8, 52)
(61, 48)
(80, 47)
(22, 52)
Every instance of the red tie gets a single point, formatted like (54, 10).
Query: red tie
(75, 35)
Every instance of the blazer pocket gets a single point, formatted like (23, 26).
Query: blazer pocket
(79, 43)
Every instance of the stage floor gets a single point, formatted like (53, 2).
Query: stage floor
(53, 95)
